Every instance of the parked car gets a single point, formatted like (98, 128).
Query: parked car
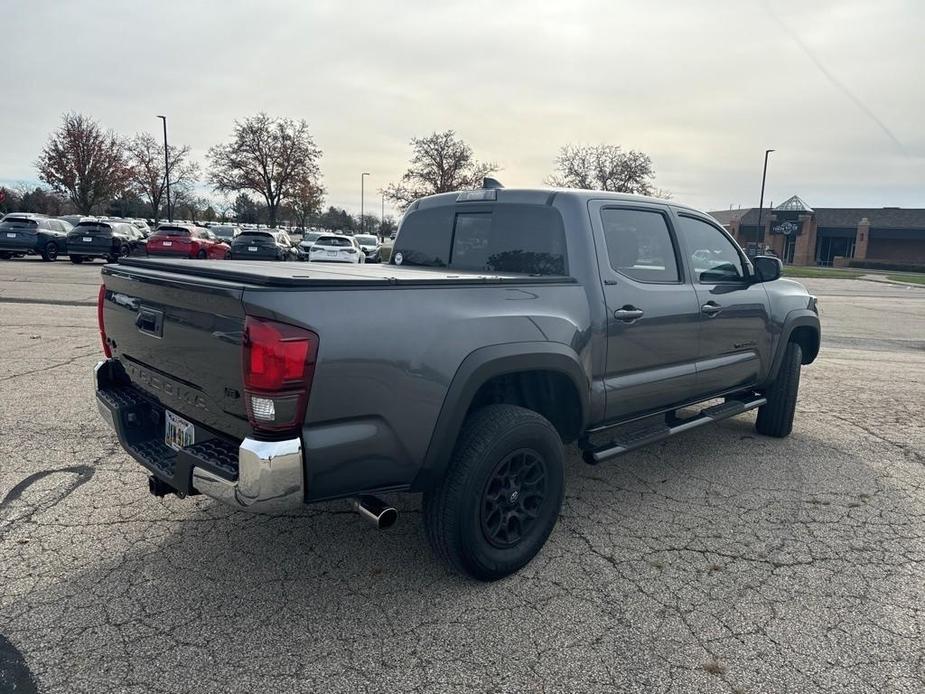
(187, 241)
(308, 240)
(142, 226)
(263, 244)
(336, 249)
(370, 246)
(225, 232)
(102, 238)
(507, 324)
(73, 219)
(32, 234)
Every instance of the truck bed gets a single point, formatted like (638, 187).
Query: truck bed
(263, 274)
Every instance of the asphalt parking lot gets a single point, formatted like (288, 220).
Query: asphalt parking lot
(717, 561)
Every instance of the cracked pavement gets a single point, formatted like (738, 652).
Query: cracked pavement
(717, 561)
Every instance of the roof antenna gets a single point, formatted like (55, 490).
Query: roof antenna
(488, 183)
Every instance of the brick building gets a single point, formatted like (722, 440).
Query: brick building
(801, 235)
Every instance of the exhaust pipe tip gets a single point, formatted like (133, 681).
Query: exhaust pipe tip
(376, 511)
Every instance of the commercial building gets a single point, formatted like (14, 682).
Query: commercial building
(801, 235)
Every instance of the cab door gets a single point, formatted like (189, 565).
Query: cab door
(734, 326)
(652, 309)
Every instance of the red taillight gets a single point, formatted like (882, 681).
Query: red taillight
(279, 362)
(101, 297)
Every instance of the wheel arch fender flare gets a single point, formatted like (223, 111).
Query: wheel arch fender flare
(795, 320)
(478, 368)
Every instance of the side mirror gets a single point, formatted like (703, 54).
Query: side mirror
(767, 268)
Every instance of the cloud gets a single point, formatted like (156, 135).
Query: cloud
(704, 87)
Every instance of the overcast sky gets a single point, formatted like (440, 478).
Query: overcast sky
(702, 86)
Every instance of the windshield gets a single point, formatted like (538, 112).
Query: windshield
(312, 236)
(366, 239)
(223, 232)
(338, 241)
(92, 228)
(10, 222)
(255, 236)
(171, 231)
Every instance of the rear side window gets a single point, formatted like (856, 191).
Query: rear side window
(526, 239)
(639, 244)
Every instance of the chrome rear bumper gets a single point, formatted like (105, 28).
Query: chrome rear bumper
(260, 476)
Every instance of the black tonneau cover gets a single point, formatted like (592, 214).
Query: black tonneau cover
(293, 274)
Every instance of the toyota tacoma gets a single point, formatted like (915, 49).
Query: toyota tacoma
(506, 325)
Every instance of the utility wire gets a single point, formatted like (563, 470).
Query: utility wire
(838, 84)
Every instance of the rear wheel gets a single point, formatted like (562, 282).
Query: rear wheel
(776, 417)
(497, 504)
(50, 251)
(76, 259)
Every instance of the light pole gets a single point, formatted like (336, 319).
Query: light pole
(166, 171)
(382, 215)
(764, 176)
(362, 198)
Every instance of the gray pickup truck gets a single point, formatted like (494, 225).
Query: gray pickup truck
(507, 324)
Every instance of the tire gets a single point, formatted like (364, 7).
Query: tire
(467, 514)
(76, 259)
(776, 417)
(201, 255)
(50, 252)
(5, 256)
(228, 255)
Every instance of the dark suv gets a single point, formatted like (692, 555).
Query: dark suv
(102, 238)
(32, 234)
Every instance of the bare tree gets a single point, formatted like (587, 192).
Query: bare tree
(146, 156)
(305, 201)
(440, 163)
(603, 167)
(85, 162)
(271, 157)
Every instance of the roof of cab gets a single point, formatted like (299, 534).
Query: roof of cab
(541, 196)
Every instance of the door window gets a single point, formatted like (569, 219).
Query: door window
(713, 256)
(639, 244)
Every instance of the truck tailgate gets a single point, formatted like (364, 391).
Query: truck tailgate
(179, 339)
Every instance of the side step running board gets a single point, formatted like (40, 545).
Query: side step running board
(626, 443)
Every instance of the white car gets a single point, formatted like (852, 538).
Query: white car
(336, 249)
(308, 240)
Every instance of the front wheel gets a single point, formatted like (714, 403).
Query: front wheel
(776, 417)
(5, 256)
(201, 255)
(500, 498)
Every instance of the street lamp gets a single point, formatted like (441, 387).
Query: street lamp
(764, 176)
(166, 171)
(362, 198)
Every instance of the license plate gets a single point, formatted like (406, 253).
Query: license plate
(252, 249)
(10, 236)
(332, 252)
(168, 243)
(88, 239)
(178, 433)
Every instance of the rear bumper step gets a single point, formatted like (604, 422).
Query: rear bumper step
(251, 475)
(631, 439)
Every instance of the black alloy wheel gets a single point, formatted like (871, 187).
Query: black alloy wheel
(513, 497)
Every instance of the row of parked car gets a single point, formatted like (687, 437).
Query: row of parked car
(107, 238)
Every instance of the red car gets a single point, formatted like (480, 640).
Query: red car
(187, 241)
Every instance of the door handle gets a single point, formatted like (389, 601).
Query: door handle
(628, 314)
(710, 309)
